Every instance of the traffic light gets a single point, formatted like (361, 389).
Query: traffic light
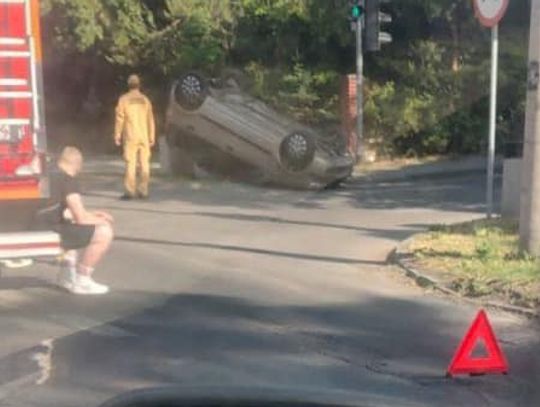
(357, 9)
(374, 18)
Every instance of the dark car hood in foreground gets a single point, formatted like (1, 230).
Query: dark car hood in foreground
(248, 397)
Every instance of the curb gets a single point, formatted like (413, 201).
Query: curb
(447, 168)
(382, 177)
(399, 257)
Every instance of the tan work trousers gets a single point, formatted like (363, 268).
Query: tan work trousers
(137, 155)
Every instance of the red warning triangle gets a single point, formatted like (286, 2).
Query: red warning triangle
(480, 332)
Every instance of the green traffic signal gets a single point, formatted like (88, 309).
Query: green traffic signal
(356, 11)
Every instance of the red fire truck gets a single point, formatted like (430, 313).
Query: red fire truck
(23, 164)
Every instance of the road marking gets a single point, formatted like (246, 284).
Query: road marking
(25, 368)
(44, 361)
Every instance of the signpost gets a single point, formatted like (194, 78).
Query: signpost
(489, 13)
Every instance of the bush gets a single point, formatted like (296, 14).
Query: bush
(310, 96)
(429, 109)
(404, 115)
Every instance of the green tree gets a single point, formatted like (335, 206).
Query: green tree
(192, 34)
(114, 29)
(426, 92)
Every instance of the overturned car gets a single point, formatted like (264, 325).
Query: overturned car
(214, 125)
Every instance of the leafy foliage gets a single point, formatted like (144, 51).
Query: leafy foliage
(114, 29)
(305, 94)
(426, 93)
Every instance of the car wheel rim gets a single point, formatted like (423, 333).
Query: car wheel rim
(191, 91)
(191, 86)
(297, 152)
(297, 146)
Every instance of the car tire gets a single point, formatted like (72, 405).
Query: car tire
(191, 91)
(297, 151)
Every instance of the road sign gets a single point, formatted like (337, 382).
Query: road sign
(490, 12)
(464, 362)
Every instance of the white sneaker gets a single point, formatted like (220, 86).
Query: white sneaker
(85, 285)
(66, 278)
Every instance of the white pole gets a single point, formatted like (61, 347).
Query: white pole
(492, 119)
(359, 91)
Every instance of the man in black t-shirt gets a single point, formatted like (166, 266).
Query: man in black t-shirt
(78, 228)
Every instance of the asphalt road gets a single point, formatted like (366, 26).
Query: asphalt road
(220, 284)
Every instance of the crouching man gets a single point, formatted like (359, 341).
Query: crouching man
(80, 229)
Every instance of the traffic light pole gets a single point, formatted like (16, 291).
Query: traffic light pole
(359, 92)
(529, 222)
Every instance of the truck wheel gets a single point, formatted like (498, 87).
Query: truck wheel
(297, 151)
(191, 91)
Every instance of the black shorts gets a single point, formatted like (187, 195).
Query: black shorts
(75, 236)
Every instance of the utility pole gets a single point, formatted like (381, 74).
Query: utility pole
(359, 91)
(529, 222)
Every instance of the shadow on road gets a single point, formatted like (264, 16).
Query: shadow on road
(393, 351)
(239, 217)
(464, 193)
(394, 234)
(300, 256)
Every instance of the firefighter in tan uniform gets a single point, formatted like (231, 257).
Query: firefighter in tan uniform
(135, 129)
